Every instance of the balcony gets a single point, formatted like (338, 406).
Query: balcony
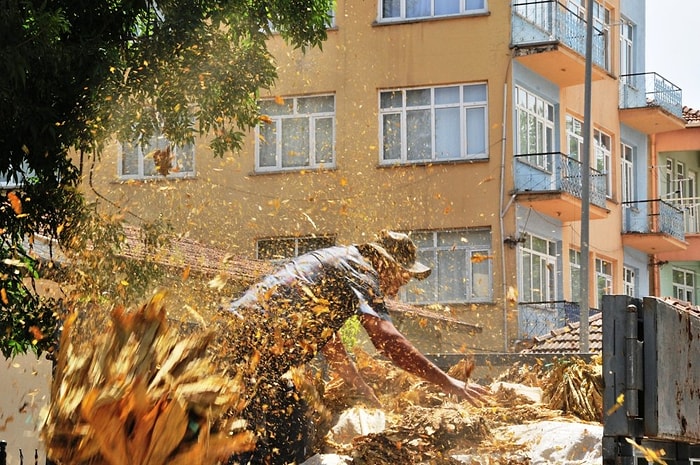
(650, 104)
(690, 208)
(653, 226)
(550, 40)
(551, 183)
(540, 318)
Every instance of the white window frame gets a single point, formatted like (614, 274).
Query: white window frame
(182, 165)
(628, 180)
(399, 9)
(629, 281)
(294, 245)
(603, 157)
(627, 31)
(574, 137)
(396, 107)
(283, 112)
(534, 116)
(445, 251)
(575, 274)
(684, 290)
(603, 279)
(538, 255)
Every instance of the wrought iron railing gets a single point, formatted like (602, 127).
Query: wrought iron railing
(690, 208)
(540, 318)
(549, 21)
(555, 172)
(653, 216)
(643, 90)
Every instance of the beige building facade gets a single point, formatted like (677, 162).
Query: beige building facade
(460, 123)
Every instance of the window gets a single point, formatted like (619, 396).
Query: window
(461, 263)
(299, 133)
(684, 285)
(280, 248)
(604, 280)
(397, 10)
(137, 161)
(535, 123)
(8, 182)
(603, 157)
(627, 173)
(433, 124)
(538, 270)
(629, 280)
(626, 47)
(575, 273)
(574, 137)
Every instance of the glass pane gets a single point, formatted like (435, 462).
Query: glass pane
(423, 291)
(480, 237)
(184, 159)
(267, 145)
(324, 140)
(323, 104)
(451, 239)
(447, 136)
(446, 95)
(475, 93)
(417, 8)
(130, 159)
(273, 108)
(475, 5)
(391, 126)
(476, 131)
(391, 8)
(295, 142)
(446, 7)
(452, 276)
(393, 99)
(418, 135)
(481, 275)
(417, 97)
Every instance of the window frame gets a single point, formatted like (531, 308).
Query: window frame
(403, 16)
(575, 274)
(541, 112)
(312, 117)
(301, 245)
(434, 245)
(629, 281)
(627, 174)
(548, 269)
(688, 290)
(139, 149)
(389, 111)
(602, 147)
(627, 33)
(602, 277)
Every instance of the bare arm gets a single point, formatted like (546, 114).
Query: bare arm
(394, 345)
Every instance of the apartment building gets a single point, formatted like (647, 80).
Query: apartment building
(460, 122)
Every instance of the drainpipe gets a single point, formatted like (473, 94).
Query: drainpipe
(501, 215)
(654, 194)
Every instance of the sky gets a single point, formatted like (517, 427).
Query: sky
(672, 45)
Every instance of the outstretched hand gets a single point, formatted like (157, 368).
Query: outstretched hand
(475, 394)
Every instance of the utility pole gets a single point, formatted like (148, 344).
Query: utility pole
(586, 185)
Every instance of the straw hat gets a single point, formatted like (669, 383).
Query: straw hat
(398, 248)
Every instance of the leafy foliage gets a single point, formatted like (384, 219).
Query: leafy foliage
(78, 72)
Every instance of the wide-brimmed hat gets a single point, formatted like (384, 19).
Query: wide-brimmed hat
(398, 248)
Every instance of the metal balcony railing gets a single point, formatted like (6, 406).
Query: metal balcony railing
(555, 172)
(653, 216)
(548, 21)
(690, 208)
(644, 90)
(540, 318)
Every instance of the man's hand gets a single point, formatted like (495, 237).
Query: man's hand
(473, 393)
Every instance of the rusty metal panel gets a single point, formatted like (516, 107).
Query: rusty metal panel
(671, 371)
(622, 354)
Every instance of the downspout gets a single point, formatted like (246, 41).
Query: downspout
(502, 214)
(654, 167)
